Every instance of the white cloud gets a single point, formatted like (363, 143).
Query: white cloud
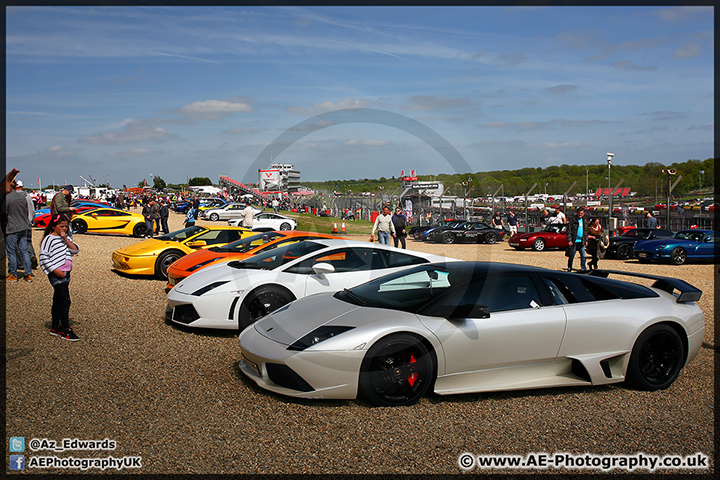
(133, 132)
(688, 51)
(423, 102)
(216, 109)
(328, 106)
(136, 152)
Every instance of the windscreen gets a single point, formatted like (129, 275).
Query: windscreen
(244, 245)
(180, 235)
(277, 257)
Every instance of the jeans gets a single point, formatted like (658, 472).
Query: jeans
(164, 222)
(384, 238)
(30, 248)
(14, 243)
(578, 246)
(148, 228)
(61, 301)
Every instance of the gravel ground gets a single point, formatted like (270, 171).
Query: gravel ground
(177, 399)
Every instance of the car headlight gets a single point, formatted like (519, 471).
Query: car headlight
(318, 335)
(523, 239)
(663, 246)
(209, 287)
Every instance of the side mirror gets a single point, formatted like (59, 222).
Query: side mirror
(322, 268)
(94, 215)
(197, 244)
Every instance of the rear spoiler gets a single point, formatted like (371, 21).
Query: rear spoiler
(688, 293)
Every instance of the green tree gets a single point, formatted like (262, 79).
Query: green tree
(159, 183)
(199, 181)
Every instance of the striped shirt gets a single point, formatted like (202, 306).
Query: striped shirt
(54, 253)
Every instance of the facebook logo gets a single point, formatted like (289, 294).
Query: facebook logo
(17, 444)
(17, 462)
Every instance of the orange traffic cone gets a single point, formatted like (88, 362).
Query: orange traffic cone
(343, 227)
(335, 227)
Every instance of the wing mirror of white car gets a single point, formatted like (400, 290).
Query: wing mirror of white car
(321, 269)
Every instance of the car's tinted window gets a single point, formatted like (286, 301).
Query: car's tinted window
(278, 256)
(343, 260)
(498, 292)
(399, 259)
(214, 237)
(559, 292)
(577, 288)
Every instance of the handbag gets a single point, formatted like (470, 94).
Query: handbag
(568, 251)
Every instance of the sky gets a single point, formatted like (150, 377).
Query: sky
(123, 94)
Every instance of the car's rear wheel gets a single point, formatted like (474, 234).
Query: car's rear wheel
(164, 261)
(261, 302)
(678, 256)
(79, 225)
(539, 244)
(139, 230)
(490, 238)
(656, 359)
(448, 238)
(624, 252)
(285, 226)
(397, 371)
(214, 217)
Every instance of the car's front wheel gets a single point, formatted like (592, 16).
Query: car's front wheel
(397, 371)
(656, 359)
(260, 303)
(448, 238)
(214, 217)
(164, 261)
(139, 230)
(624, 252)
(678, 256)
(79, 225)
(539, 244)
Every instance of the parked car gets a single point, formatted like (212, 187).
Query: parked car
(552, 236)
(621, 246)
(42, 220)
(682, 246)
(416, 230)
(469, 327)
(109, 220)
(237, 250)
(466, 232)
(153, 256)
(75, 203)
(233, 295)
(267, 222)
(213, 203)
(231, 210)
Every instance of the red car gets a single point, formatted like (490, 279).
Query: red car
(41, 221)
(553, 236)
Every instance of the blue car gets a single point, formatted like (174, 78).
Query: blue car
(697, 245)
(74, 203)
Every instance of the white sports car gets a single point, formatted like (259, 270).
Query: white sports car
(267, 221)
(225, 212)
(468, 327)
(233, 295)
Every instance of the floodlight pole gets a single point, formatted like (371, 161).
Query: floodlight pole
(527, 215)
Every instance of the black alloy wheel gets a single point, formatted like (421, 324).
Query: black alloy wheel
(448, 237)
(164, 261)
(624, 252)
(79, 225)
(490, 238)
(260, 303)
(139, 230)
(397, 371)
(656, 359)
(678, 256)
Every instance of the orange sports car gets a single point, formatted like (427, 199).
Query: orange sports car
(237, 250)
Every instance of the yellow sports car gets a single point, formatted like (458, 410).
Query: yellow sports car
(109, 220)
(154, 255)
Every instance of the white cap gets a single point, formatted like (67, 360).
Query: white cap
(19, 183)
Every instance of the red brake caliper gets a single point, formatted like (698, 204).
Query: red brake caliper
(413, 376)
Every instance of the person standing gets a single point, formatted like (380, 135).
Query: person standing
(384, 226)
(650, 221)
(148, 212)
(400, 223)
(31, 215)
(512, 223)
(164, 214)
(597, 242)
(247, 213)
(577, 237)
(275, 204)
(56, 251)
(196, 206)
(190, 216)
(15, 216)
(61, 203)
(497, 221)
(156, 217)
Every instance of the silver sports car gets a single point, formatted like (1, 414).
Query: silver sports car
(473, 327)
